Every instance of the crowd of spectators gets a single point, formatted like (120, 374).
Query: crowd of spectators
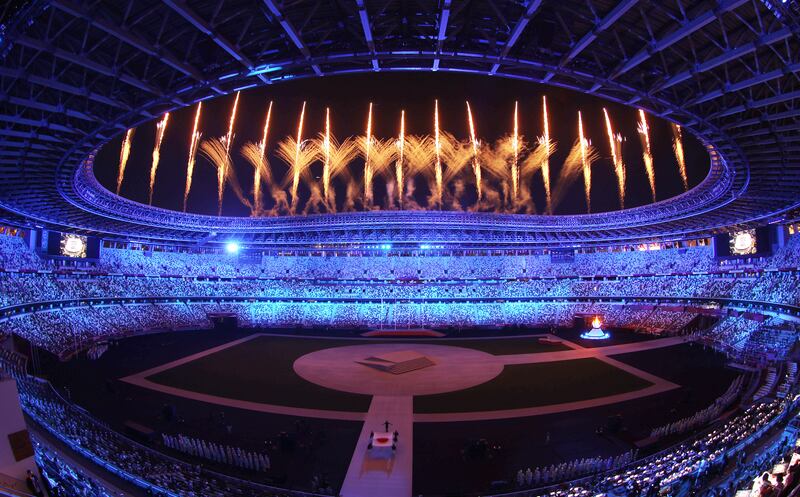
(159, 473)
(703, 417)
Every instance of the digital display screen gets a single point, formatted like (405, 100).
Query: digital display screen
(743, 242)
(73, 246)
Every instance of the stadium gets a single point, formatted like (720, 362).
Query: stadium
(358, 248)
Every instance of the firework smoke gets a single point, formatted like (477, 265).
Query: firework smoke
(677, 147)
(194, 142)
(161, 128)
(124, 153)
(647, 155)
(615, 145)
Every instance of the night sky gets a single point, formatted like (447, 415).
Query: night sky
(492, 100)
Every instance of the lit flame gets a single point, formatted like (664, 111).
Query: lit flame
(615, 143)
(194, 142)
(161, 128)
(476, 165)
(647, 155)
(596, 322)
(677, 146)
(124, 153)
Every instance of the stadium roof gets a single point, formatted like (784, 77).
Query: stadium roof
(74, 74)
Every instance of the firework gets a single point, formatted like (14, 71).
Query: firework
(615, 144)
(215, 150)
(544, 142)
(296, 165)
(262, 166)
(647, 155)
(194, 142)
(161, 128)
(586, 165)
(515, 162)
(677, 147)
(398, 168)
(326, 155)
(437, 168)
(124, 153)
(476, 165)
(366, 149)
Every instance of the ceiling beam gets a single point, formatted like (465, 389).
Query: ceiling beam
(180, 7)
(53, 84)
(125, 35)
(522, 23)
(727, 56)
(60, 109)
(40, 123)
(291, 33)
(686, 28)
(444, 19)
(789, 114)
(85, 62)
(754, 104)
(744, 84)
(603, 24)
(362, 14)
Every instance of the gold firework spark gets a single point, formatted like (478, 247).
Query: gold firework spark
(515, 163)
(586, 165)
(647, 155)
(261, 166)
(326, 155)
(297, 165)
(615, 144)
(677, 147)
(367, 148)
(546, 144)
(437, 143)
(401, 146)
(161, 128)
(194, 142)
(476, 165)
(124, 154)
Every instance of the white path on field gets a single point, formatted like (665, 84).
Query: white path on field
(369, 474)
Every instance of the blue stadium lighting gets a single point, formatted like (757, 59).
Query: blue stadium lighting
(264, 69)
(232, 248)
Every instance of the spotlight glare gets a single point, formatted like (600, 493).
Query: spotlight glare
(232, 248)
